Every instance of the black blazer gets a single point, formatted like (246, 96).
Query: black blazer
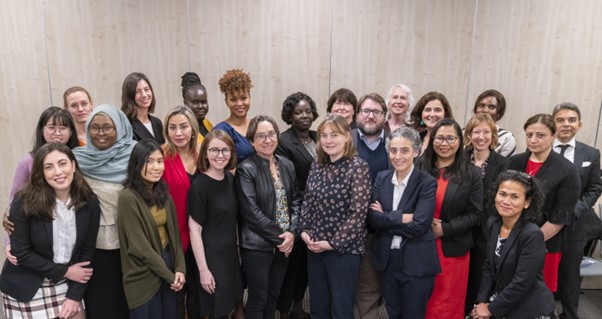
(31, 243)
(292, 148)
(518, 281)
(141, 132)
(461, 210)
(587, 162)
(496, 164)
(559, 181)
(418, 256)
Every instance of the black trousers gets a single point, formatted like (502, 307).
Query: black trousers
(295, 281)
(104, 296)
(265, 272)
(569, 279)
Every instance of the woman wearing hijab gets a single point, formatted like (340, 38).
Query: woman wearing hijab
(103, 162)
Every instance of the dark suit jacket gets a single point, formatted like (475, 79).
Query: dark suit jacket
(141, 133)
(587, 162)
(461, 210)
(559, 181)
(518, 281)
(496, 164)
(31, 243)
(292, 148)
(418, 256)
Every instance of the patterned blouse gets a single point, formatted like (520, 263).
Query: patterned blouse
(336, 203)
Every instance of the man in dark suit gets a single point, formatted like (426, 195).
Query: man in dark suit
(587, 160)
(369, 140)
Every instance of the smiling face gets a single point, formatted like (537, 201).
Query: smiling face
(58, 172)
(510, 199)
(444, 149)
(371, 124)
(152, 171)
(265, 140)
(398, 103)
(144, 95)
(79, 105)
(196, 100)
(239, 103)
(302, 116)
(102, 132)
(56, 132)
(343, 109)
(432, 113)
(333, 143)
(218, 154)
(539, 138)
(480, 137)
(401, 155)
(567, 125)
(179, 131)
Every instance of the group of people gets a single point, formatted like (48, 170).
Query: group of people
(115, 213)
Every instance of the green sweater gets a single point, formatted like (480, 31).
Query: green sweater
(141, 252)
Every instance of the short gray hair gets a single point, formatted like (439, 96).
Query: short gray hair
(409, 133)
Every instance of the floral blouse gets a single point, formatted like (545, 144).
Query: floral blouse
(336, 202)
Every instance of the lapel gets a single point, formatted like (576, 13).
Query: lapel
(180, 170)
(409, 189)
(386, 192)
(450, 192)
(518, 227)
(299, 146)
(48, 227)
(81, 223)
(579, 155)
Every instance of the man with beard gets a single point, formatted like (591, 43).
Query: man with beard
(369, 139)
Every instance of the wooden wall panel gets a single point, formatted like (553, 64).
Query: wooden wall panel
(24, 89)
(538, 54)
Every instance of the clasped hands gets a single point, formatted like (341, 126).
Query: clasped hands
(315, 246)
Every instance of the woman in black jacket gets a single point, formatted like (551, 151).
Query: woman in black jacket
(269, 202)
(512, 285)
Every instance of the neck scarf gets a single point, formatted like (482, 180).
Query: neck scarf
(108, 165)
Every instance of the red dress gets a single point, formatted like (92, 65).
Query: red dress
(550, 266)
(447, 300)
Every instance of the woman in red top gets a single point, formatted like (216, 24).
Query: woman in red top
(458, 208)
(560, 183)
(181, 130)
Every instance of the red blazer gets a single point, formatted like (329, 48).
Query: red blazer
(177, 179)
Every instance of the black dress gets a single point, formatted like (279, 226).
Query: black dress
(212, 203)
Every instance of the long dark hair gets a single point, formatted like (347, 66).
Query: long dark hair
(39, 198)
(159, 192)
(128, 94)
(459, 168)
(533, 193)
(59, 116)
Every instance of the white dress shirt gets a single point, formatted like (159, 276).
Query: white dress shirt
(398, 189)
(64, 232)
(570, 151)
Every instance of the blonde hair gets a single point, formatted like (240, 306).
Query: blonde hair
(169, 148)
(339, 125)
(477, 120)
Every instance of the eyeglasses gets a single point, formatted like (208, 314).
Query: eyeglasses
(263, 137)
(377, 113)
(107, 129)
(214, 151)
(449, 139)
(56, 128)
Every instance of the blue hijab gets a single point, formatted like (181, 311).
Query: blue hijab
(108, 165)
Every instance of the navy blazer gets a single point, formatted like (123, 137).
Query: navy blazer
(559, 181)
(141, 132)
(292, 148)
(587, 162)
(518, 281)
(31, 243)
(461, 210)
(418, 256)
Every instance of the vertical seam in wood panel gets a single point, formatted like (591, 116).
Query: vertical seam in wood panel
(598, 126)
(46, 51)
(188, 27)
(330, 50)
(472, 40)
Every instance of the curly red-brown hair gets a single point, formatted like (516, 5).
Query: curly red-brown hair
(235, 80)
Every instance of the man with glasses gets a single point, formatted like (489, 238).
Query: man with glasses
(369, 139)
(567, 118)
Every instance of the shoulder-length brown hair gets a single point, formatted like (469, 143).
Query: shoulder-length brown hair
(416, 114)
(203, 162)
(39, 198)
(168, 147)
(337, 124)
(475, 121)
(128, 94)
